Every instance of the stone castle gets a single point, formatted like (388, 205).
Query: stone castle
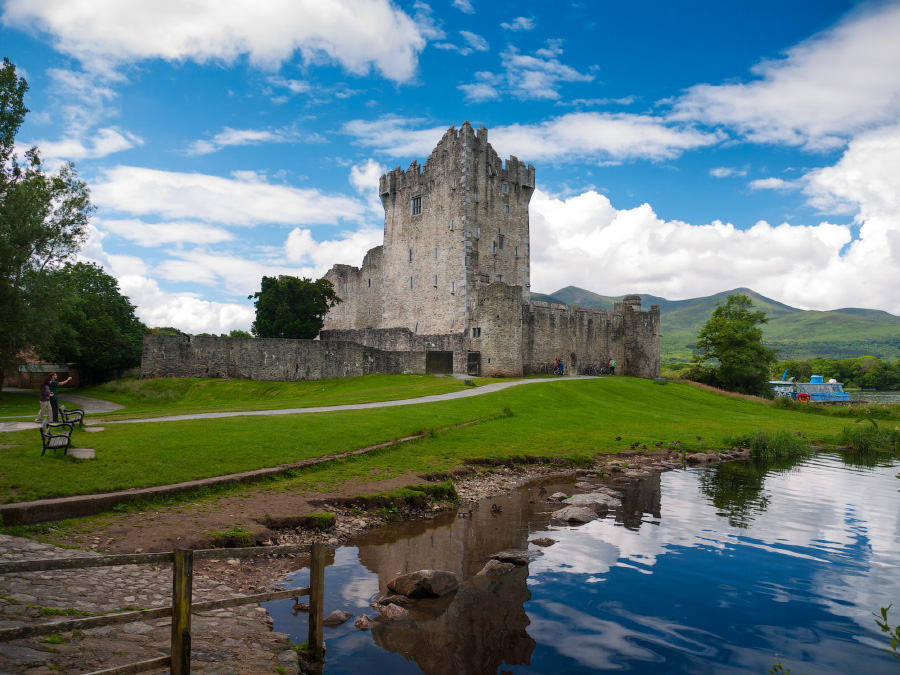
(447, 291)
(453, 279)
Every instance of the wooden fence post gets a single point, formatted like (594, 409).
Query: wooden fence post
(316, 636)
(182, 582)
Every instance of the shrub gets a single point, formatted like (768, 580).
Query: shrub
(772, 444)
(235, 537)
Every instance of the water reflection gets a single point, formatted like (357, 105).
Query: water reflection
(703, 570)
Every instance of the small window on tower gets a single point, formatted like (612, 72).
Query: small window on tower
(435, 251)
(517, 251)
(435, 280)
(452, 289)
(369, 283)
(410, 283)
(416, 206)
(452, 224)
(410, 255)
(500, 241)
(506, 209)
(504, 187)
(476, 332)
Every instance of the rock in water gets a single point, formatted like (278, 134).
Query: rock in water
(495, 568)
(393, 612)
(363, 622)
(395, 599)
(542, 541)
(574, 514)
(559, 496)
(336, 618)
(597, 501)
(518, 556)
(424, 584)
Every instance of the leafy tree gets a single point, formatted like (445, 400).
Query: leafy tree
(238, 334)
(164, 330)
(43, 222)
(290, 307)
(730, 353)
(99, 331)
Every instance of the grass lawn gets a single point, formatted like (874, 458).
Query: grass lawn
(19, 405)
(575, 419)
(172, 396)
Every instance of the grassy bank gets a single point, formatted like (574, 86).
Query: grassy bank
(573, 419)
(174, 396)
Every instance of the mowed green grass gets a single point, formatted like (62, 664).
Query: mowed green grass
(573, 419)
(172, 396)
(19, 405)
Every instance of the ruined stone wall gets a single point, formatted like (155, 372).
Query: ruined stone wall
(360, 290)
(641, 354)
(580, 336)
(496, 330)
(403, 339)
(269, 359)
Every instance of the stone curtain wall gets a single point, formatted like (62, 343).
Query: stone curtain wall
(270, 359)
(642, 357)
(403, 339)
(360, 290)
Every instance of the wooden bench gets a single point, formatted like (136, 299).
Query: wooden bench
(75, 416)
(57, 439)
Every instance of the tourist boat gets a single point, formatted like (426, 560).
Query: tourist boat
(817, 390)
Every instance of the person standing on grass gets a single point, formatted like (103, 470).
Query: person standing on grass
(44, 414)
(54, 394)
(612, 366)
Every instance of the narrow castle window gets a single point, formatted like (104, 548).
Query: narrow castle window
(499, 277)
(506, 209)
(500, 241)
(416, 206)
(452, 224)
(410, 255)
(452, 291)
(504, 187)
(345, 287)
(476, 195)
(476, 332)
(435, 251)
(410, 283)
(435, 280)
(416, 329)
(452, 323)
(369, 283)
(494, 246)
(517, 251)
(478, 233)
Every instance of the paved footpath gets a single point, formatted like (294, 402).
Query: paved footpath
(236, 641)
(465, 393)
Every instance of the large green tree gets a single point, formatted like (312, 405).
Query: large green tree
(98, 331)
(43, 222)
(729, 352)
(290, 307)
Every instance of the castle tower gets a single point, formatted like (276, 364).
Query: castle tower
(451, 226)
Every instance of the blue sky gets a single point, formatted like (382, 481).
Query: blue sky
(681, 149)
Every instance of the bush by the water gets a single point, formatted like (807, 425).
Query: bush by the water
(772, 444)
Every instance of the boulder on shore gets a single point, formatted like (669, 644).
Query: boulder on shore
(574, 514)
(596, 501)
(424, 584)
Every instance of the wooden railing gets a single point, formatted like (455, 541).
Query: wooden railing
(179, 659)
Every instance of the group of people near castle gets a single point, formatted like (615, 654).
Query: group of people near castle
(561, 366)
(49, 398)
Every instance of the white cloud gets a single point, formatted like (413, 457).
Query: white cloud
(834, 85)
(229, 137)
(527, 76)
(519, 23)
(726, 171)
(163, 234)
(464, 6)
(590, 102)
(771, 184)
(246, 199)
(357, 34)
(104, 142)
(476, 42)
(365, 178)
(293, 86)
(598, 136)
(428, 25)
(395, 136)
(302, 249)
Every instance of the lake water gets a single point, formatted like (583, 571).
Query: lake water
(702, 570)
(876, 396)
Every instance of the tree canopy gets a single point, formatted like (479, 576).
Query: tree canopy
(43, 223)
(729, 352)
(290, 307)
(98, 330)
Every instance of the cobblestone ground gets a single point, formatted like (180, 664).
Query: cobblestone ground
(235, 641)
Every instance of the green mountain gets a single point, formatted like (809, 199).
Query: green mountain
(796, 333)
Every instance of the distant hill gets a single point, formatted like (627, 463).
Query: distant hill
(796, 333)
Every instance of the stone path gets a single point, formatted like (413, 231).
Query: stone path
(236, 641)
(465, 393)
